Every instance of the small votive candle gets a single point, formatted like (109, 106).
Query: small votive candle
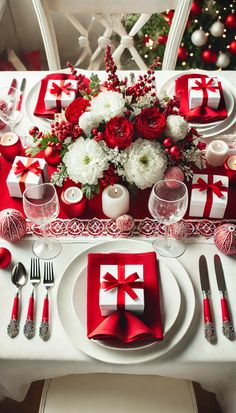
(216, 153)
(10, 146)
(230, 168)
(73, 202)
(115, 200)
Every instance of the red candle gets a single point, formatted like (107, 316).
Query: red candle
(73, 202)
(10, 146)
(230, 168)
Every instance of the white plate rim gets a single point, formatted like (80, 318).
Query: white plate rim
(91, 349)
(175, 293)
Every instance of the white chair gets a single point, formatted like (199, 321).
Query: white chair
(103, 393)
(109, 14)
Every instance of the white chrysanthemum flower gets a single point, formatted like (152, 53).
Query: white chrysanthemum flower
(108, 105)
(176, 127)
(146, 163)
(85, 161)
(88, 121)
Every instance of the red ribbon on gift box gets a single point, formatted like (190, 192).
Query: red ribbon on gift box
(211, 187)
(123, 285)
(205, 84)
(63, 87)
(31, 166)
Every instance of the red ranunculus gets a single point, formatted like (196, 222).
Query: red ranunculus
(75, 109)
(150, 123)
(119, 132)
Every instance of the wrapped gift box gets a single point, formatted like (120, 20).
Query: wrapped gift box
(204, 92)
(121, 288)
(25, 173)
(209, 196)
(60, 93)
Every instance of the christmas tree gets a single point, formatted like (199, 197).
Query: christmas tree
(209, 41)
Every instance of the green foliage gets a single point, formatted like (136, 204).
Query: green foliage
(90, 190)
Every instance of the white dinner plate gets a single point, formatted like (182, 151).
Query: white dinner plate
(170, 293)
(75, 327)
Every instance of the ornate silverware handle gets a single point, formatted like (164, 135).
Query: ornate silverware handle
(227, 327)
(44, 331)
(29, 327)
(209, 328)
(13, 326)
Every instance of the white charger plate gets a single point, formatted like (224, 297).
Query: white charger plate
(76, 331)
(170, 293)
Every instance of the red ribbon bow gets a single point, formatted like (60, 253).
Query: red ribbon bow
(205, 85)
(61, 88)
(216, 188)
(123, 285)
(31, 166)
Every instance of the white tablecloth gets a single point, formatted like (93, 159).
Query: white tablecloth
(23, 361)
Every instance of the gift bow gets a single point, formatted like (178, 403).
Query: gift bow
(124, 285)
(215, 187)
(21, 169)
(205, 85)
(62, 88)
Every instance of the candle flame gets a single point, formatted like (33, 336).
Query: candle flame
(73, 193)
(116, 190)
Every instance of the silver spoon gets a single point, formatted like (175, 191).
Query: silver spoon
(19, 278)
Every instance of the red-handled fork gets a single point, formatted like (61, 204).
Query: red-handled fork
(48, 281)
(29, 327)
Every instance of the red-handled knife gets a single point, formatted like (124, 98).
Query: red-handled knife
(22, 88)
(227, 327)
(209, 328)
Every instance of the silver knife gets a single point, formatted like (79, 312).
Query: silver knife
(209, 328)
(22, 88)
(227, 327)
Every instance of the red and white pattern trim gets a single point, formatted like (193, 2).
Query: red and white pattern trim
(146, 227)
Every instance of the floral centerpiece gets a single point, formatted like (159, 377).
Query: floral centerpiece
(115, 131)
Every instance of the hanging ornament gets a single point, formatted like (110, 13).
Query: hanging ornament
(232, 47)
(230, 22)
(12, 224)
(182, 53)
(223, 60)
(199, 38)
(162, 39)
(225, 238)
(209, 56)
(174, 172)
(195, 9)
(52, 156)
(217, 29)
(169, 16)
(5, 257)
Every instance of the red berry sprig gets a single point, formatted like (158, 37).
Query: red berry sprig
(65, 129)
(112, 78)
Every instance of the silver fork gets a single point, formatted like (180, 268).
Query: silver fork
(29, 327)
(48, 281)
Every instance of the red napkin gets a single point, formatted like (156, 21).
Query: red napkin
(200, 114)
(40, 109)
(124, 326)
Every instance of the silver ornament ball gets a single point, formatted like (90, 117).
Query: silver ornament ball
(199, 38)
(217, 29)
(223, 60)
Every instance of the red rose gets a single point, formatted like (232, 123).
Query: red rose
(75, 109)
(119, 132)
(150, 123)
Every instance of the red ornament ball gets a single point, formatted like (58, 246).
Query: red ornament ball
(225, 238)
(12, 224)
(174, 172)
(232, 47)
(5, 257)
(182, 53)
(169, 16)
(196, 9)
(174, 150)
(162, 39)
(209, 56)
(230, 22)
(33, 130)
(125, 223)
(52, 155)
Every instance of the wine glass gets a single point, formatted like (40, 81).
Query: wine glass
(9, 114)
(41, 206)
(168, 203)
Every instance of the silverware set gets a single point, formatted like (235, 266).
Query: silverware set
(13, 87)
(19, 278)
(209, 325)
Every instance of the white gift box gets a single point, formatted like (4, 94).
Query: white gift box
(212, 201)
(18, 182)
(60, 93)
(203, 96)
(108, 300)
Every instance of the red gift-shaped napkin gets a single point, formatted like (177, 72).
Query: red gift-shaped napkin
(124, 326)
(201, 114)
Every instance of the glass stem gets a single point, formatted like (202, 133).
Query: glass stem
(167, 238)
(45, 235)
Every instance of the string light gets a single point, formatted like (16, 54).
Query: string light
(184, 63)
(191, 54)
(195, 21)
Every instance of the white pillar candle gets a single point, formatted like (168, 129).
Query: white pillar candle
(216, 153)
(115, 200)
(73, 195)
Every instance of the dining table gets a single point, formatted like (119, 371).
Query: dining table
(184, 352)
